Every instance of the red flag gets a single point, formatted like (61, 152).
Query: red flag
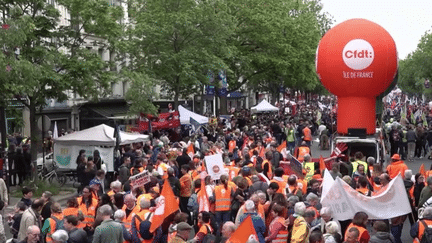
(244, 232)
(166, 205)
(203, 200)
(282, 146)
(422, 170)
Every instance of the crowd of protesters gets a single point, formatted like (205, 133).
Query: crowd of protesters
(283, 207)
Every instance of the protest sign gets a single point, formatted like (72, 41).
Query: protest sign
(140, 179)
(214, 165)
(345, 201)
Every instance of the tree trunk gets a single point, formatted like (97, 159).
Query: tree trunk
(223, 105)
(176, 100)
(34, 138)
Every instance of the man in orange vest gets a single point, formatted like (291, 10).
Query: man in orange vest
(267, 166)
(307, 134)
(130, 209)
(397, 166)
(222, 196)
(278, 173)
(301, 151)
(142, 215)
(116, 187)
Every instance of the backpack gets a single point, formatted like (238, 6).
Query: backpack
(59, 223)
(144, 227)
(427, 233)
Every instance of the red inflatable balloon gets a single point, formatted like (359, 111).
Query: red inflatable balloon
(356, 60)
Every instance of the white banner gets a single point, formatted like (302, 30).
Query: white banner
(345, 201)
(140, 179)
(65, 155)
(215, 166)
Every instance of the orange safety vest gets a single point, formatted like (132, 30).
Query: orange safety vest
(421, 228)
(282, 235)
(293, 190)
(365, 191)
(127, 221)
(261, 152)
(282, 186)
(428, 173)
(205, 229)
(269, 173)
(304, 188)
(140, 169)
(302, 151)
(307, 134)
(395, 168)
(70, 211)
(232, 185)
(233, 171)
(90, 212)
(111, 193)
(360, 229)
(222, 198)
(142, 215)
(231, 145)
(52, 228)
(74, 212)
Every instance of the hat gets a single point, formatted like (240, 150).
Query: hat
(95, 182)
(396, 157)
(183, 226)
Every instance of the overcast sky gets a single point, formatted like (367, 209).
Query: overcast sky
(405, 20)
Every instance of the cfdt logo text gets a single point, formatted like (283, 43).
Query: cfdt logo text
(358, 54)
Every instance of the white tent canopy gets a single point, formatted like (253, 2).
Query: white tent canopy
(264, 106)
(101, 135)
(186, 114)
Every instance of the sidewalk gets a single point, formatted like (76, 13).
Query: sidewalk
(61, 198)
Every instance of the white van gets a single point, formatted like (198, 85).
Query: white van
(371, 145)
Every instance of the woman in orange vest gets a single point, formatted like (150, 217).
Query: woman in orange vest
(204, 226)
(359, 221)
(87, 205)
(277, 232)
(222, 196)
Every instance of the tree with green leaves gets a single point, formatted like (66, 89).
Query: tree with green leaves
(44, 58)
(415, 68)
(274, 44)
(177, 42)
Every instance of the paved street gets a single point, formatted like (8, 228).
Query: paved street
(415, 166)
